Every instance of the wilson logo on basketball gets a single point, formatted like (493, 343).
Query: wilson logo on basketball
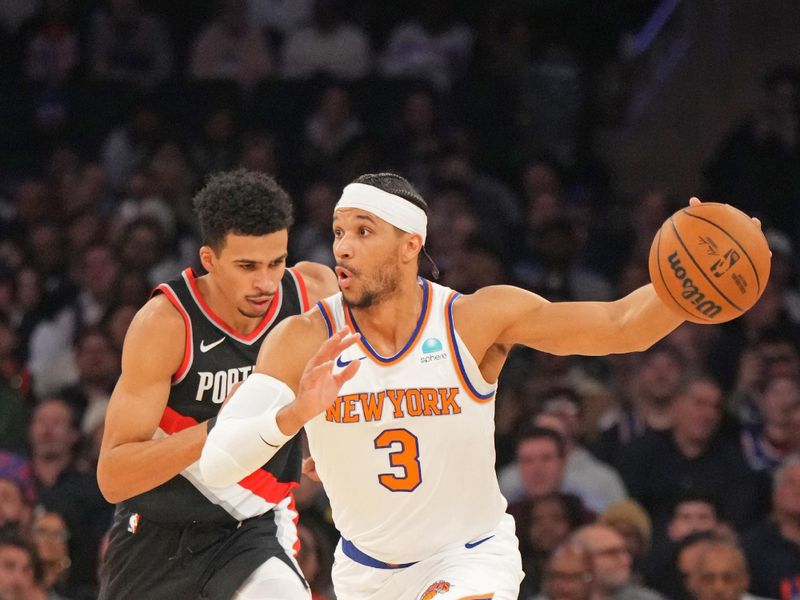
(440, 587)
(690, 290)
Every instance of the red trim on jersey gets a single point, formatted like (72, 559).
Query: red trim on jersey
(264, 484)
(172, 421)
(301, 285)
(293, 507)
(265, 322)
(187, 349)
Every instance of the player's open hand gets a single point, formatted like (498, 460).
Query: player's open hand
(695, 201)
(319, 385)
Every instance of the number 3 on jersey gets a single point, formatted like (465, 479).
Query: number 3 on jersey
(406, 457)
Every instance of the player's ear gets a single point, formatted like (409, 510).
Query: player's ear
(411, 247)
(207, 258)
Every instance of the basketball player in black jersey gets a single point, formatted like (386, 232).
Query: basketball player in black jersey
(175, 537)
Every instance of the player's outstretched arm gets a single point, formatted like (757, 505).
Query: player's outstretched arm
(130, 461)
(630, 324)
(293, 381)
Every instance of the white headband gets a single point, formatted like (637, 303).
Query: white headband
(393, 209)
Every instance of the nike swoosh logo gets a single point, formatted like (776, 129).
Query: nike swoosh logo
(470, 545)
(343, 363)
(206, 348)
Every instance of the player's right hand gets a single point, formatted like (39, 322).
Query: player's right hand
(319, 385)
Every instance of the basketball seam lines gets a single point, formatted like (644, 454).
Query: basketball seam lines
(742, 248)
(699, 268)
(664, 281)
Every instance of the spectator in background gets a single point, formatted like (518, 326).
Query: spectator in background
(52, 45)
(128, 146)
(17, 568)
(98, 368)
(431, 46)
(755, 166)
(216, 146)
(329, 45)
(552, 267)
(784, 272)
(144, 246)
(540, 456)
(693, 512)
(51, 360)
(772, 546)
(50, 535)
(312, 239)
(418, 136)
(612, 565)
(595, 483)
(127, 44)
(258, 153)
(279, 18)
(17, 493)
(330, 127)
(766, 444)
(772, 354)
(646, 384)
(552, 519)
(490, 199)
(569, 575)
(632, 522)
(230, 48)
(720, 573)
(691, 454)
(64, 490)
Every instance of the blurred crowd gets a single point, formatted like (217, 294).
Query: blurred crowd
(671, 473)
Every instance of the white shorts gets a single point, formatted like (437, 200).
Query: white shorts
(489, 567)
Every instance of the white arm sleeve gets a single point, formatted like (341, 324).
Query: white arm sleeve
(246, 434)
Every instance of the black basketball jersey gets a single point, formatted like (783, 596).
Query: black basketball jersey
(215, 358)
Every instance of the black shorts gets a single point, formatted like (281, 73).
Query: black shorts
(198, 561)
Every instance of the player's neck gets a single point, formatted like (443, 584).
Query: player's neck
(388, 325)
(226, 311)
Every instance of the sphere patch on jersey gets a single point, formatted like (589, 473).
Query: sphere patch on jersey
(431, 345)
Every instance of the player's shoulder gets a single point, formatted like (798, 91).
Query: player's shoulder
(296, 337)
(491, 296)
(320, 280)
(306, 326)
(496, 301)
(158, 317)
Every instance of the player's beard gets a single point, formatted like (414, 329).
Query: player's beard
(377, 289)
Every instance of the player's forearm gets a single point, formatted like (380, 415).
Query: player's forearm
(133, 468)
(246, 434)
(646, 319)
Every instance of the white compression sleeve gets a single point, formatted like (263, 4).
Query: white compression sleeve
(246, 434)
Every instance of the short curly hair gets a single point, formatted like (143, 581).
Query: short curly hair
(241, 202)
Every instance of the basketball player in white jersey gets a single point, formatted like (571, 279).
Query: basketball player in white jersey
(394, 380)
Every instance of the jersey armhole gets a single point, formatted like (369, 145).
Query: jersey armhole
(325, 311)
(458, 361)
(302, 289)
(188, 349)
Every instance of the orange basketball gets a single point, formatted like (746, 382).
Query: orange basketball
(709, 263)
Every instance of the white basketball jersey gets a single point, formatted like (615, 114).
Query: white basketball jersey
(406, 453)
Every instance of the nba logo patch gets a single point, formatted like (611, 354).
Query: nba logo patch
(133, 523)
(440, 587)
